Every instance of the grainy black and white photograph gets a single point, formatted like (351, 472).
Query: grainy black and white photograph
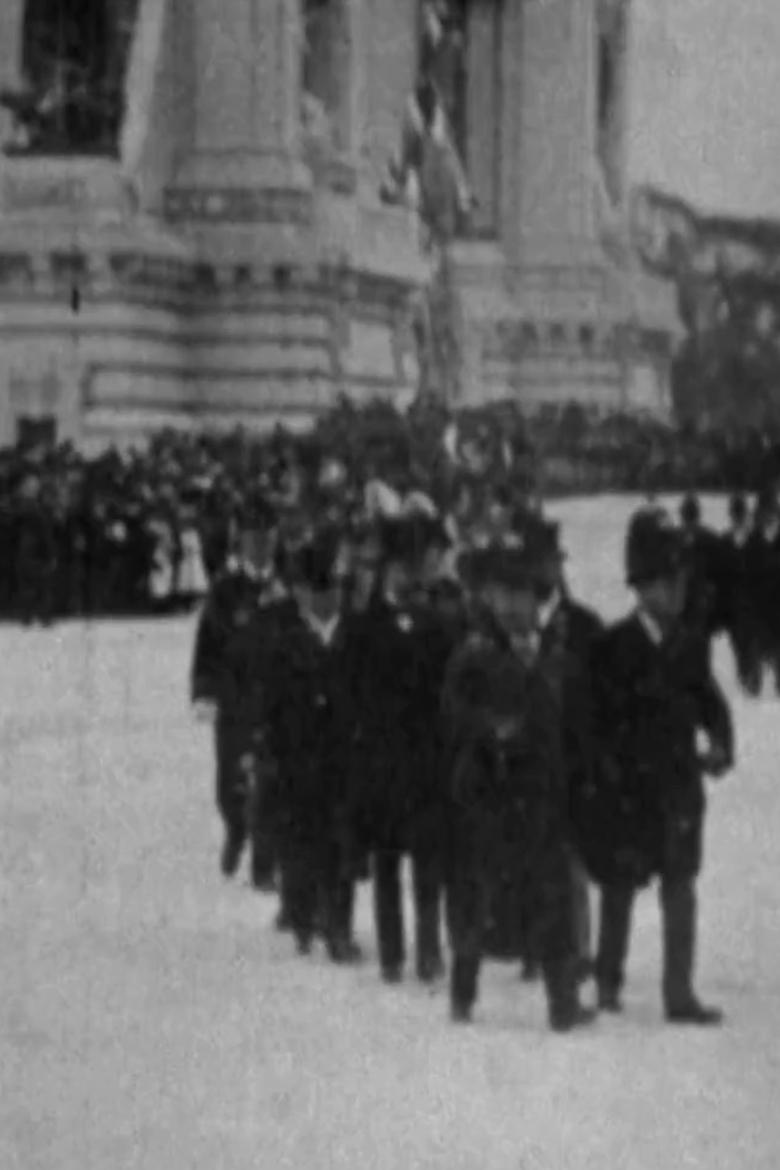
(389, 584)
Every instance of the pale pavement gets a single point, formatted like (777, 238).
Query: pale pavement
(150, 1017)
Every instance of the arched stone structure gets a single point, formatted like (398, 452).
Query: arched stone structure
(222, 276)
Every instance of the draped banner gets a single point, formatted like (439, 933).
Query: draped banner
(671, 238)
(727, 270)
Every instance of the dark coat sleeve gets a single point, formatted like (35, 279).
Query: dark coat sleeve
(211, 641)
(711, 710)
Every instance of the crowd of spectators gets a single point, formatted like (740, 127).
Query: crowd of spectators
(141, 531)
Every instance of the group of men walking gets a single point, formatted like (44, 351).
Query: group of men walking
(377, 696)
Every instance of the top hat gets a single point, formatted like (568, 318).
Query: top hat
(542, 542)
(497, 565)
(654, 548)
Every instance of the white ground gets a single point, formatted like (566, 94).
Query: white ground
(150, 1017)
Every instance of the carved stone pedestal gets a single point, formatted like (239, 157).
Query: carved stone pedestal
(208, 277)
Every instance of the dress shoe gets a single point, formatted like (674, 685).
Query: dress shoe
(393, 974)
(695, 1013)
(303, 944)
(460, 1013)
(283, 923)
(263, 882)
(529, 972)
(353, 952)
(344, 950)
(585, 969)
(609, 1000)
(571, 1017)
(430, 969)
(231, 856)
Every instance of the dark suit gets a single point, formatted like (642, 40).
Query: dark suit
(647, 813)
(310, 723)
(707, 561)
(235, 625)
(742, 616)
(762, 566)
(508, 799)
(396, 666)
(566, 660)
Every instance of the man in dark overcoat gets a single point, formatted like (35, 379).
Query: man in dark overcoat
(742, 620)
(35, 553)
(706, 599)
(568, 632)
(507, 788)
(310, 719)
(762, 566)
(655, 694)
(244, 597)
(397, 650)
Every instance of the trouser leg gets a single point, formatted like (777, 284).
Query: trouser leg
(614, 931)
(261, 823)
(300, 888)
(582, 915)
(678, 909)
(337, 899)
(556, 931)
(231, 785)
(467, 906)
(426, 879)
(388, 910)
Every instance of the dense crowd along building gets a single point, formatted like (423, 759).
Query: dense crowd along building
(225, 211)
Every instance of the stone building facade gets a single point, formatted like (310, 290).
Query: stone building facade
(232, 259)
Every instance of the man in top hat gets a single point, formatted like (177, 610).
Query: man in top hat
(762, 565)
(395, 672)
(707, 565)
(656, 694)
(310, 719)
(742, 623)
(507, 789)
(568, 632)
(243, 597)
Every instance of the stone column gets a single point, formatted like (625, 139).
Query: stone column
(390, 61)
(247, 95)
(11, 21)
(351, 60)
(483, 112)
(617, 138)
(554, 135)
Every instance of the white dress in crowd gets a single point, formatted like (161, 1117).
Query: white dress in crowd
(193, 581)
(163, 571)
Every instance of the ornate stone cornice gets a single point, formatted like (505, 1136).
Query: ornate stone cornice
(238, 205)
(517, 339)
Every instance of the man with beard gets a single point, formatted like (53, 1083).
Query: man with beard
(507, 788)
(655, 695)
(310, 720)
(244, 598)
(397, 653)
